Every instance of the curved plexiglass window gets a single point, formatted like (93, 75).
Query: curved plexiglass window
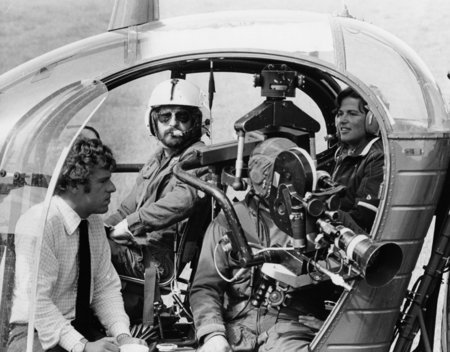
(303, 33)
(396, 75)
(32, 83)
(31, 159)
(300, 33)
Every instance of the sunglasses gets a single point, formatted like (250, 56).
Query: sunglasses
(182, 116)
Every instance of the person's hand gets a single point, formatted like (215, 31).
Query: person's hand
(106, 344)
(310, 321)
(121, 234)
(216, 343)
(131, 340)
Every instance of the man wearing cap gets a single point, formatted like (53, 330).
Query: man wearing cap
(225, 314)
(151, 215)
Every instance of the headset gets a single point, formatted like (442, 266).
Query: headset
(371, 124)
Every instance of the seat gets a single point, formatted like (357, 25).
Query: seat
(172, 324)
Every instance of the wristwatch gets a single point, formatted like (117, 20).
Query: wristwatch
(79, 347)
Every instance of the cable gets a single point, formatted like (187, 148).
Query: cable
(242, 270)
(235, 277)
(215, 264)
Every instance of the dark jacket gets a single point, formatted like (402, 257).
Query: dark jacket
(362, 173)
(158, 200)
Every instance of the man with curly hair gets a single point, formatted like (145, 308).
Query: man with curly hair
(76, 280)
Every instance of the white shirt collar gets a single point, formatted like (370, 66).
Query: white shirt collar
(70, 217)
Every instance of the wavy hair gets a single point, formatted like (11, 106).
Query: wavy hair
(351, 93)
(83, 157)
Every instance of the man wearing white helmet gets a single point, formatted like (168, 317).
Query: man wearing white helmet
(151, 215)
(174, 114)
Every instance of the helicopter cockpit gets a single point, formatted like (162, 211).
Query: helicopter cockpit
(258, 86)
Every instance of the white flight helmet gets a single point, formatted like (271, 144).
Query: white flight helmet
(173, 92)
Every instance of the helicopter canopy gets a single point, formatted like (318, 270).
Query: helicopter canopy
(398, 77)
(45, 103)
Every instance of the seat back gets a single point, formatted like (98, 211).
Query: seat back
(190, 241)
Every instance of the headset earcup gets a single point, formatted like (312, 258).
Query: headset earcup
(152, 132)
(151, 124)
(371, 123)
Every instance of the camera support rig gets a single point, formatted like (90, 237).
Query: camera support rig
(277, 83)
(303, 202)
(308, 215)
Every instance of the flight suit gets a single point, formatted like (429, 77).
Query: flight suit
(156, 210)
(224, 308)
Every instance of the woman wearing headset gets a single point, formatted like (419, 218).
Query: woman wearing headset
(359, 161)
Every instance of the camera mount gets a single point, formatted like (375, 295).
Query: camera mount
(274, 115)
